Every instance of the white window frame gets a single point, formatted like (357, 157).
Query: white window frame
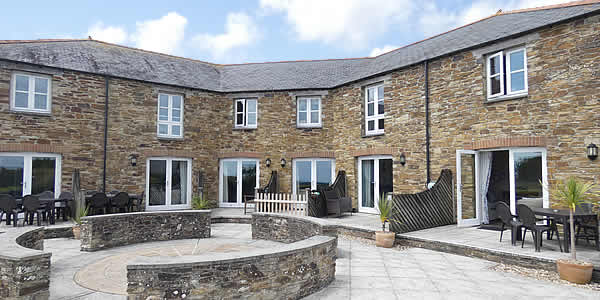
(313, 171)
(509, 72)
(245, 113)
(28, 166)
(376, 115)
(31, 93)
(239, 196)
(169, 122)
(310, 123)
(505, 72)
(168, 184)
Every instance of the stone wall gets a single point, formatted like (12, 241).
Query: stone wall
(289, 229)
(290, 272)
(24, 268)
(107, 231)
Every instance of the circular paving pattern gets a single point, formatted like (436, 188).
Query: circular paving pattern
(109, 274)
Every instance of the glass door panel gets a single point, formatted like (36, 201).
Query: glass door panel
(158, 183)
(230, 182)
(43, 174)
(386, 177)
(179, 180)
(248, 179)
(324, 173)
(467, 211)
(11, 175)
(527, 176)
(368, 184)
(303, 176)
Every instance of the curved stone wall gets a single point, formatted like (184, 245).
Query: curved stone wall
(289, 229)
(291, 272)
(107, 231)
(24, 267)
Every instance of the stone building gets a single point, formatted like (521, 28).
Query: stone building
(504, 102)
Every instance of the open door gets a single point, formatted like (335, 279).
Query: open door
(467, 188)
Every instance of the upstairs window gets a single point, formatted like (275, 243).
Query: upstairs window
(374, 110)
(246, 113)
(170, 116)
(309, 112)
(31, 93)
(507, 73)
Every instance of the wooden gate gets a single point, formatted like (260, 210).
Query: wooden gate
(280, 203)
(427, 209)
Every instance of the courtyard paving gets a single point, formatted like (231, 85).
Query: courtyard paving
(363, 271)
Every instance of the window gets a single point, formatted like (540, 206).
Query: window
(374, 109)
(31, 93)
(309, 112)
(312, 173)
(507, 73)
(246, 113)
(238, 180)
(170, 116)
(29, 173)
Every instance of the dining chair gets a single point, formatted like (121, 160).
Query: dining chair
(9, 208)
(98, 202)
(33, 208)
(64, 206)
(508, 220)
(527, 217)
(120, 202)
(589, 225)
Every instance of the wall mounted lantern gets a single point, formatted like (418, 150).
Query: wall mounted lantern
(268, 162)
(133, 159)
(592, 151)
(402, 159)
(283, 162)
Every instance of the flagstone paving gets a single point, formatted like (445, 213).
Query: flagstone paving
(363, 271)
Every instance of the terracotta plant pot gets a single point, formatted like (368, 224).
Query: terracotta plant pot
(580, 272)
(385, 239)
(77, 232)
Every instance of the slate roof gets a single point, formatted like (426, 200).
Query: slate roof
(119, 61)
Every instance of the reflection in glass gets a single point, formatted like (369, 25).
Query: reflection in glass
(303, 174)
(528, 175)
(368, 183)
(158, 179)
(386, 177)
(11, 175)
(43, 173)
(248, 179)
(230, 181)
(323, 173)
(179, 182)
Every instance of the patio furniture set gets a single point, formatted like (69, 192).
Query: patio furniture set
(586, 223)
(46, 207)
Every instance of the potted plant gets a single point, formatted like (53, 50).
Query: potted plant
(81, 212)
(570, 193)
(199, 203)
(384, 238)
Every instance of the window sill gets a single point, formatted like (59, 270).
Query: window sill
(309, 127)
(31, 113)
(506, 97)
(244, 128)
(170, 138)
(373, 135)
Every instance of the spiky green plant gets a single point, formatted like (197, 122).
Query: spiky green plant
(82, 211)
(571, 194)
(385, 210)
(198, 202)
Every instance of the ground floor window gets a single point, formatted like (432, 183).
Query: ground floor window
(238, 179)
(169, 183)
(485, 178)
(312, 173)
(375, 178)
(29, 173)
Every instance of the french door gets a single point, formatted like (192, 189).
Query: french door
(29, 173)
(168, 183)
(238, 179)
(312, 173)
(467, 190)
(375, 176)
(528, 172)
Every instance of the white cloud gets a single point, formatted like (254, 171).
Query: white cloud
(240, 30)
(111, 34)
(382, 50)
(352, 23)
(161, 35)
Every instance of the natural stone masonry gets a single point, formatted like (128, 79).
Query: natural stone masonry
(289, 229)
(291, 272)
(24, 267)
(107, 231)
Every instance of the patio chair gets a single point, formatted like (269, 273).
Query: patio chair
(33, 208)
(336, 205)
(589, 225)
(64, 207)
(135, 203)
(527, 217)
(508, 220)
(9, 209)
(98, 202)
(120, 202)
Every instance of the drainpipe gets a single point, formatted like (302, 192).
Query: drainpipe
(106, 81)
(427, 139)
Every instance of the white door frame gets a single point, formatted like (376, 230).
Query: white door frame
(313, 171)
(168, 184)
(240, 202)
(459, 220)
(375, 158)
(28, 165)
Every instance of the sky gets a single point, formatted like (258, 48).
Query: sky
(230, 31)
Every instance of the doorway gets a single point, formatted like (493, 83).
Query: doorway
(376, 178)
(169, 183)
(238, 179)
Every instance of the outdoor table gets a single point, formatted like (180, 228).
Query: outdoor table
(563, 215)
(47, 202)
(135, 197)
